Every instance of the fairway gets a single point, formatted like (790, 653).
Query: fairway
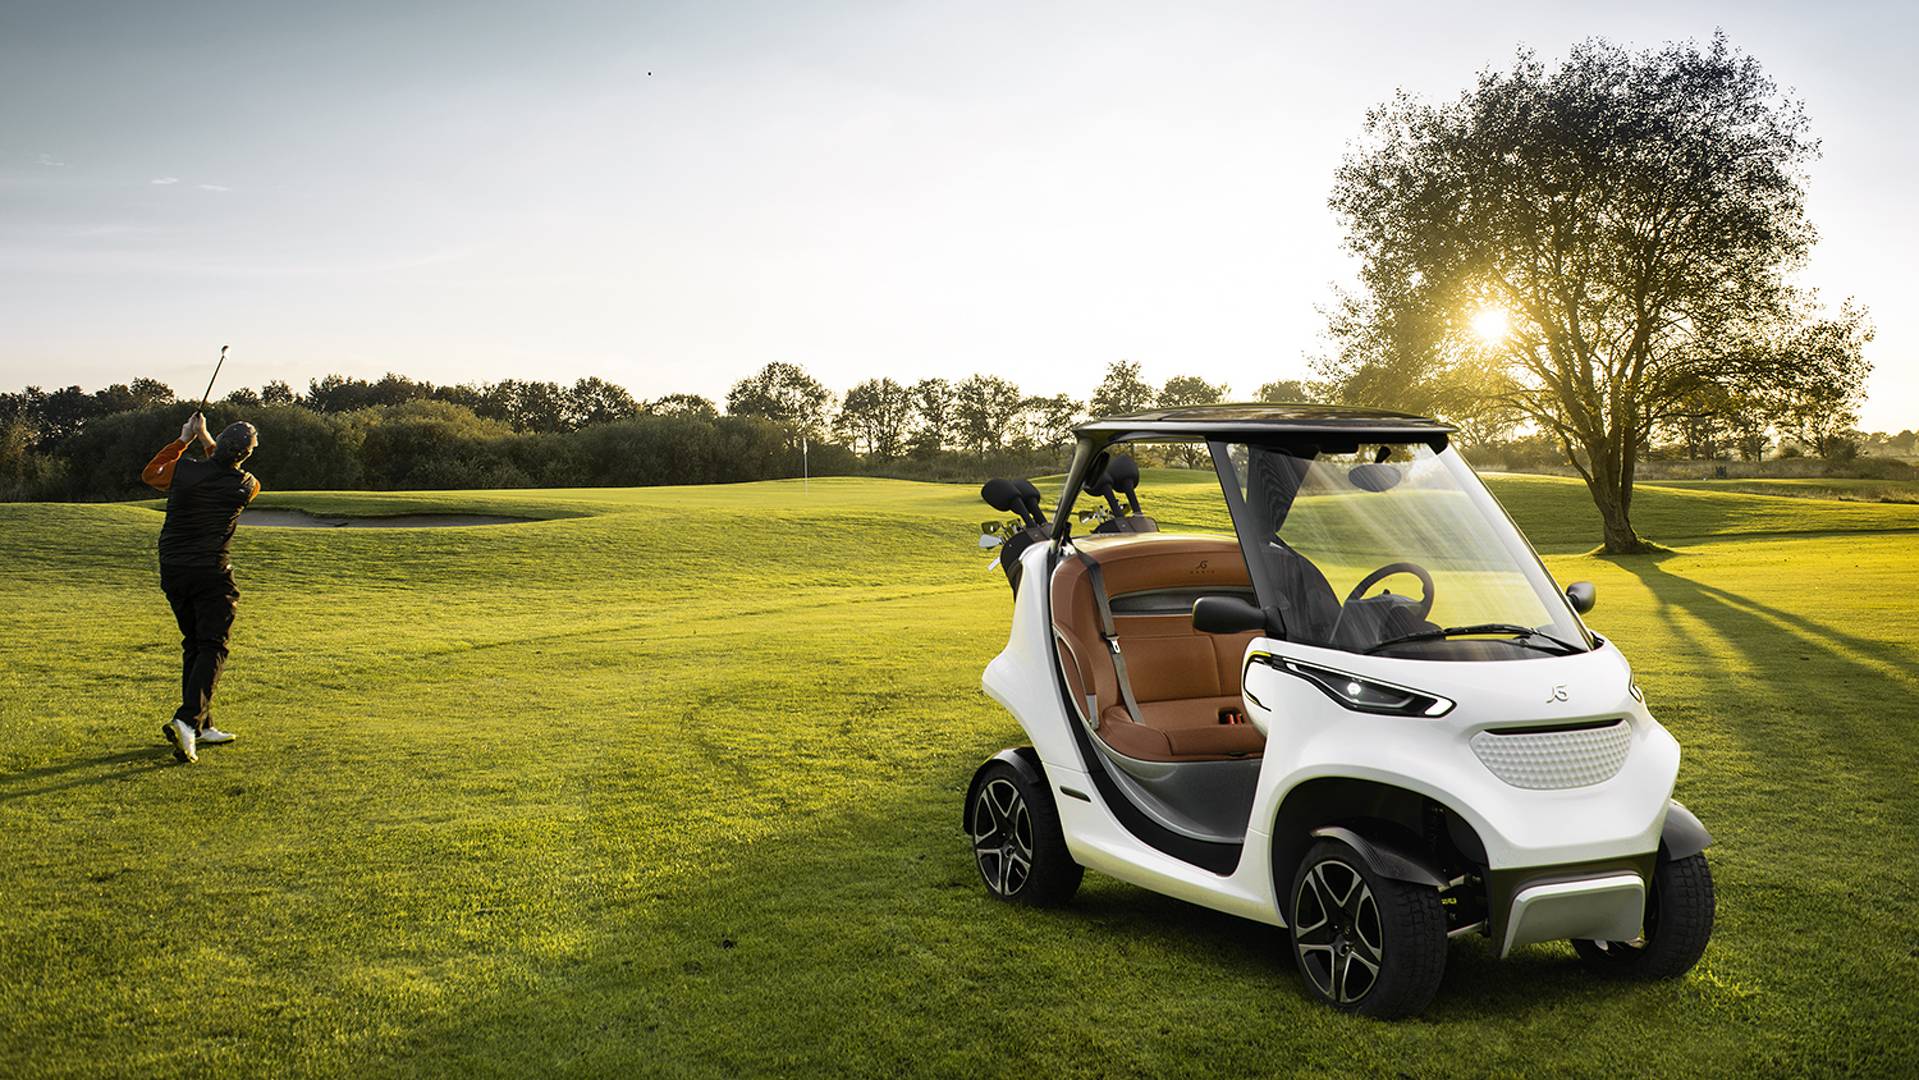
(668, 782)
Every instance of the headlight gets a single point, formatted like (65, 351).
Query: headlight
(1365, 695)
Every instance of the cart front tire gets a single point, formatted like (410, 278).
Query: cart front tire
(1365, 943)
(1018, 847)
(1679, 913)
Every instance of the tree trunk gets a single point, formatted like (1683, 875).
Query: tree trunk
(1615, 520)
(1609, 479)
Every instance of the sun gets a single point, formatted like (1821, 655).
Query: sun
(1491, 325)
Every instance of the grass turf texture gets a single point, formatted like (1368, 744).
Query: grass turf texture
(670, 784)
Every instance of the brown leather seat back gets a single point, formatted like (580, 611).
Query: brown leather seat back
(1166, 658)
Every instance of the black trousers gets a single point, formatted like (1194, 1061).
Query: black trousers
(203, 600)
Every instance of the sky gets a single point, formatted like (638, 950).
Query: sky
(671, 195)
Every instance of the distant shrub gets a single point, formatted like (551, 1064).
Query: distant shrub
(24, 472)
(301, 450)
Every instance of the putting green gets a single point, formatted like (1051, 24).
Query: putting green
(668, 783)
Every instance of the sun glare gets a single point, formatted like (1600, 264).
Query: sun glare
(1490, 325)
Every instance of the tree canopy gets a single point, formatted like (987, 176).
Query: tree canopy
(1583, 247)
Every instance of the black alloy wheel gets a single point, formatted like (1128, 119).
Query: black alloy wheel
(1365, 943)
(1679, 916)
(1017, 844)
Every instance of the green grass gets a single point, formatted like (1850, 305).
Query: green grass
(1850, 489)
(669, 784)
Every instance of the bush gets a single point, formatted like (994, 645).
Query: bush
(24, 472)
(302, 450)
(434, 445)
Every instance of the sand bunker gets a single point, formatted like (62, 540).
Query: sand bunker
(299, 519)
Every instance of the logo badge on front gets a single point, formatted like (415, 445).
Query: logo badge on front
(1557, 693)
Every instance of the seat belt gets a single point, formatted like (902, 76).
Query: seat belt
(1107, 631)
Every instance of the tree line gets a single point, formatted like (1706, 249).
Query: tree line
(397, 432)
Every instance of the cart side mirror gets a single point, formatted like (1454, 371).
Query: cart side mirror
(1228, 615)
(1581, 595)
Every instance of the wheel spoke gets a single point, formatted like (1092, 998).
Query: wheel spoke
(1006, 798)
(989, 838)
(986, 813)
(1356, 900)
(1340, 900)
(1368, 976)
(1332, 891)
(1366, 930)
(1367, 950)
(1309, 955)
(1319, 901)
(1320, 934)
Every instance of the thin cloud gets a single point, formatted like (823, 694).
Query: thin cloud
(50, 160)
(213, 187)
(164, 180)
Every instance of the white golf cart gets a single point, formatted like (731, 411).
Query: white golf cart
(1246, 720)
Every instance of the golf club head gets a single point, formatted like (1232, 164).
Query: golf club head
(1001, 495)
(1102, 486)
(1122, 474)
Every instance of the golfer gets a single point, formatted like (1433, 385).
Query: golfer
(204, 498)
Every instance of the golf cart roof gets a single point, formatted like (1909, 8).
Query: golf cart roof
(1267, 423)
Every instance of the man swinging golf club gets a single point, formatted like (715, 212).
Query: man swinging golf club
(204, 498)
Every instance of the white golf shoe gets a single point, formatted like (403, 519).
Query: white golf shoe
(213, 736)
(181, 736)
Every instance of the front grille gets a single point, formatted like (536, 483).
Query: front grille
(1566, 758)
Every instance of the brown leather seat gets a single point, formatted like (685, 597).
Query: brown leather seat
(1182, 679)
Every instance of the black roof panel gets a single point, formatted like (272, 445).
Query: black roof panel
(1268, 421)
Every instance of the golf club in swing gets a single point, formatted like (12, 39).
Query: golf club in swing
(216, 374)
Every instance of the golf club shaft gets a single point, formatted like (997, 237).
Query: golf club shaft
(216, 374)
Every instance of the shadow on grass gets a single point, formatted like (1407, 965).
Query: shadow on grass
(20, 785)
(1778, 643)
(864, 942)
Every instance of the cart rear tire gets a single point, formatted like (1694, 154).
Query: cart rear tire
(1018, 847)
(1679, 914)
(1364, 943)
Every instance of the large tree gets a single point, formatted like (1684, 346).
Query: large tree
(1122, 391)
(593, 400)
(1191, 390)
(786, 393)
(873, 417)
(984, 410)
(1586, 243)
(1049, 420)
(1283, 391)
(1823, 372)
(933, 421)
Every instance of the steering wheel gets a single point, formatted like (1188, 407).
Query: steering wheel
(1425, 580)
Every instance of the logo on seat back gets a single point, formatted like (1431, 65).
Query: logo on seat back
(1202, 568)
(1557, 693)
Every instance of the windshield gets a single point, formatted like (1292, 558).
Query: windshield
(1400, 551)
